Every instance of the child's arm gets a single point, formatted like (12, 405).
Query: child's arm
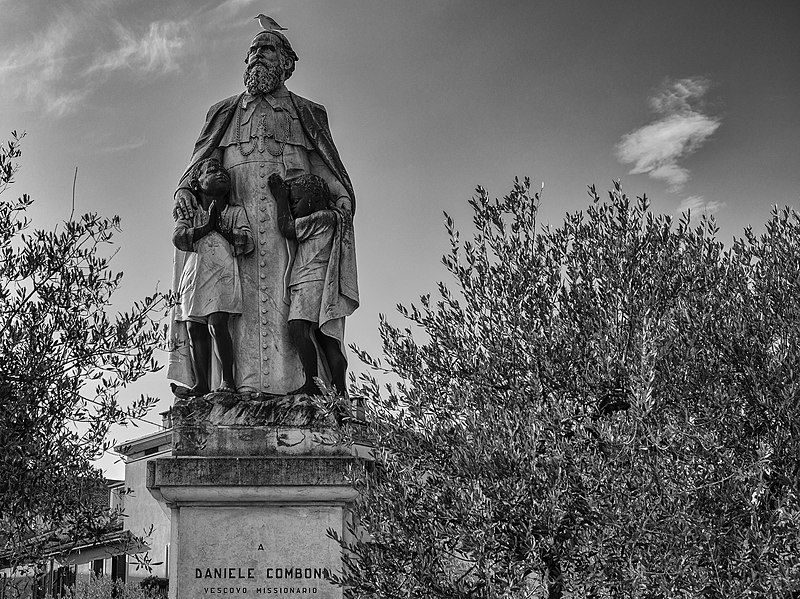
(280, 191)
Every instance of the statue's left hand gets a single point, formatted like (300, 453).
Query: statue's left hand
(185, 204)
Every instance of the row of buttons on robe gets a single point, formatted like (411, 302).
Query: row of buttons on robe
(262, 208)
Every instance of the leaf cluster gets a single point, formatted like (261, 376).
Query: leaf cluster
(64, 359)
(603, 409)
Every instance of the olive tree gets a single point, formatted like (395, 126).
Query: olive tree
(607, 408)
(63, 361)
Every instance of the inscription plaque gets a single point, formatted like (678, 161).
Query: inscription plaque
(258, 551)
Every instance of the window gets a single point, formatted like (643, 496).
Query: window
(119, 566)
(97, 567)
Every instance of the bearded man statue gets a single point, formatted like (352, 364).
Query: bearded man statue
(263, 131)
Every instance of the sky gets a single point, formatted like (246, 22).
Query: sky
(692, 102)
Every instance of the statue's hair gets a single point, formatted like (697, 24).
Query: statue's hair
(312, 184)
(194, 176)
(288, 55)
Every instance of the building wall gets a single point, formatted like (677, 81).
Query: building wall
(144, 517)
(142, 512)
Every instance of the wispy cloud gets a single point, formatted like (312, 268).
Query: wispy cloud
(66, 101)
(234, 6)
(682, 128)
(84, 45)
(36, 70)
(698, 205)
(127, 146)
(230, 14)
(155, 51)
(49, 72)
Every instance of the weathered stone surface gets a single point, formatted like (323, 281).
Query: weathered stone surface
(225, 424)
(249, 410)
(254, 525)
(257, 550)
(250, 471)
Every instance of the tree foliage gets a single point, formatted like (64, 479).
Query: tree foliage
(63, 363)
(608, 408)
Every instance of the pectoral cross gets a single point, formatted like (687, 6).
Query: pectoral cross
(263, 132)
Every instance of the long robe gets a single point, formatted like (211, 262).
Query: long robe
(251, 135)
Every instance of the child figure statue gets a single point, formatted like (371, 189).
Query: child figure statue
(210, 290)
(306, 214)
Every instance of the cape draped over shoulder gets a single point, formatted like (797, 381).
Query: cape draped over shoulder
(313, 118)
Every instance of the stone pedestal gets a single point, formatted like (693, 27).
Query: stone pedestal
(253, 487)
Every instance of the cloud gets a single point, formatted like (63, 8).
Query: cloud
(680, 95)
(233, 6)
(156, 51)
(126, 147)
(698, 204)
(84, 45)
(656, 148)
(48, 71)
(229, 15)
(65, 102)
(36, 71)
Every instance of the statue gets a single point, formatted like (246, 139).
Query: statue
(317, 228)
(210, 291)
(267, 130)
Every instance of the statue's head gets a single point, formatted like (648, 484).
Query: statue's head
(210, 177)
(270, 61)
(309, 194)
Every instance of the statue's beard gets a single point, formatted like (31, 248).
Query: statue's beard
(262, 78)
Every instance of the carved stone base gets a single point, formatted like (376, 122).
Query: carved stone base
(229, 424)
(255, 525)
(254, 484)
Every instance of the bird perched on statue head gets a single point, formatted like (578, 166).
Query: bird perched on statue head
(268, 23)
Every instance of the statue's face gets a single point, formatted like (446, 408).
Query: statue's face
(213, 179)
(265, 70)
(264, 49)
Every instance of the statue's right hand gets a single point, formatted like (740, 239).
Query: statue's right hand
(185, 204)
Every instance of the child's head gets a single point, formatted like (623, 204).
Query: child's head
(309, 194)
(210, 177)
